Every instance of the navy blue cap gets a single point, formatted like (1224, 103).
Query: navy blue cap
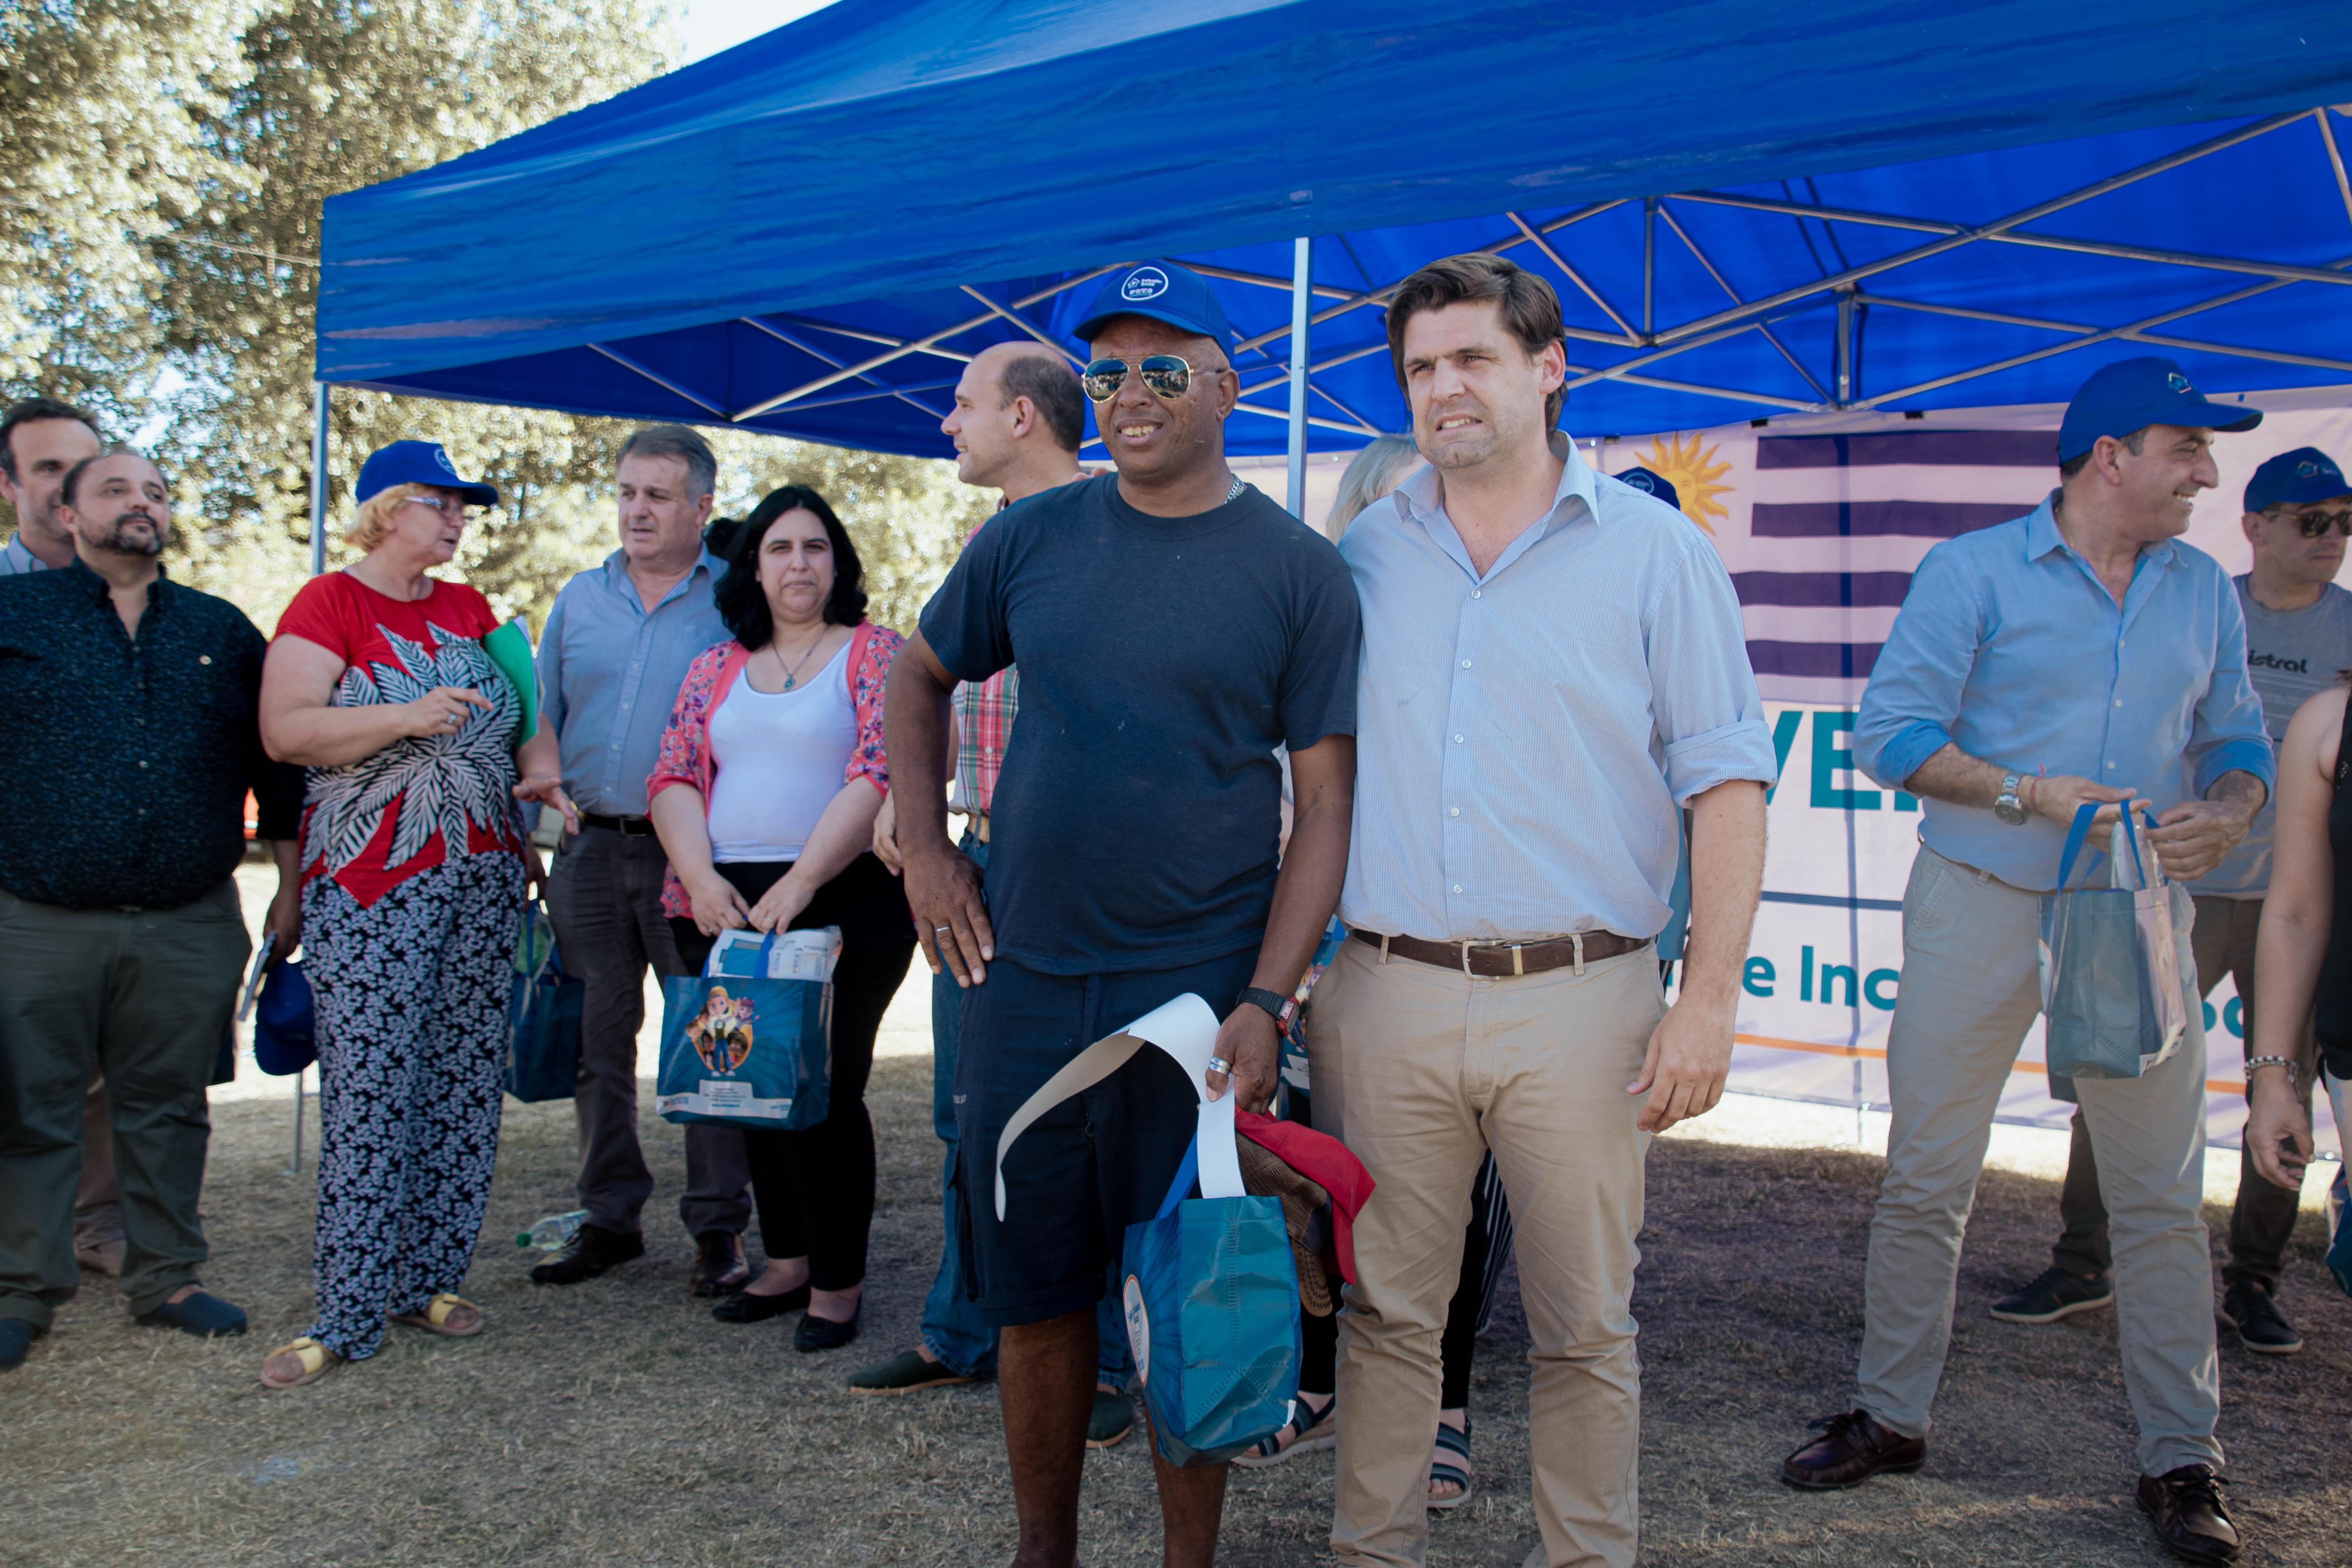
(1165, 292)
(2134, 393)
(2291, 479)
(1643, 479)
(285, 1026)
(418, 463)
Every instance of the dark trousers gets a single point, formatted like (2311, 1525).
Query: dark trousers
(2264, 1218)
(604, 893)
(816, 1185)
(145, 996)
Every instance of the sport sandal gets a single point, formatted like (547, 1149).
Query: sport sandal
(437, 1312)
(317, 1360)
(1455, 1468)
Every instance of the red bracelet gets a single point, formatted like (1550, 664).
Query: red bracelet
(2030, 780)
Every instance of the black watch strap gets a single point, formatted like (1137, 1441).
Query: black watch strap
(1274, 1003)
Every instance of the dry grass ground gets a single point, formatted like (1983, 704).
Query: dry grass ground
(615, 1423)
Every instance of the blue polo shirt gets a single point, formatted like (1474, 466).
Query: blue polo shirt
(2009, 646)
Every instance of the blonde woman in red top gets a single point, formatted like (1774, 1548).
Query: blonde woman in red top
(412, 859)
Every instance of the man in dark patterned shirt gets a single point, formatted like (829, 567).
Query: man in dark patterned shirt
(130, 745)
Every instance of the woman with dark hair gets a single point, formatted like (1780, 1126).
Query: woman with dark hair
(771, 772)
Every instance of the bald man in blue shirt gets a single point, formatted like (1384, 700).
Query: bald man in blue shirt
(2079, 654)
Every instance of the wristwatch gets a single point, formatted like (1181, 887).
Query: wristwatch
(1283, 1008)
(2008, 807)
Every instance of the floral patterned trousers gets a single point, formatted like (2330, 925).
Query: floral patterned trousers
(412, 993)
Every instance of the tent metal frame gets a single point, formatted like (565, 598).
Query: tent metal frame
(1311, 406)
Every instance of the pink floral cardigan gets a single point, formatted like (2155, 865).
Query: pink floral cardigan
(686, 756)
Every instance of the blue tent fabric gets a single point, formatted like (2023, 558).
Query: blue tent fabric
(899, 171)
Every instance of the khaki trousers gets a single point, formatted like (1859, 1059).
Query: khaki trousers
(1427, 1069)
(1971, 987)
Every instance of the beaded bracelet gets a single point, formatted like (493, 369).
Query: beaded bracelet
(2293, 1072)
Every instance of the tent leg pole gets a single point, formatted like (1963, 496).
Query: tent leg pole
(318, 555)
(1844, 347)
(1299, 283)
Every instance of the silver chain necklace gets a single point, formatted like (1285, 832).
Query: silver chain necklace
(792, 675)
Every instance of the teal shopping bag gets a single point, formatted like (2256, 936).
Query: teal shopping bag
(749, 1042)
(1209, 1284)
(2113, 1005)
(544, 1015)
(1211, 1297)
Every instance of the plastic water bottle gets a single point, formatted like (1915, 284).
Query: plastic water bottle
(553, 1231)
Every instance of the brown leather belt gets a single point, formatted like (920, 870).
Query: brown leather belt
(1502, 960)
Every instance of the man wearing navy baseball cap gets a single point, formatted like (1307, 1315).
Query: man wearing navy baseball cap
(2079, 658)
(2298, 507)
(1172, 627)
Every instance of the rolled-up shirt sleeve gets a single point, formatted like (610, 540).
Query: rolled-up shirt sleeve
(2226, 734)
(1913, 696)
(1709, 716)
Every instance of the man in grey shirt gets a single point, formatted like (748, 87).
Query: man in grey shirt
(615, 648)
(2298, 635)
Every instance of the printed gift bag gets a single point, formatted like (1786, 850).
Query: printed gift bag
(2112, 959)
(1211, 1288)
(749, 1041)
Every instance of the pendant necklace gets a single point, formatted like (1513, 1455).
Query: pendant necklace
(792, 676)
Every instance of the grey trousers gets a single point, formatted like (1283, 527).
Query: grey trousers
(2261, 1222)
(604, 897)
(1971, 987)
(143, 995)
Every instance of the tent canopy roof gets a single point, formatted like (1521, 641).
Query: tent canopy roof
(758, 239)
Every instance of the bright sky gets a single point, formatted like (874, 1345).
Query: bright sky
(711, 26)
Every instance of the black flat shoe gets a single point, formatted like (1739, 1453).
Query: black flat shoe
(592, 1252)
(817, 1334)
(745, 1307)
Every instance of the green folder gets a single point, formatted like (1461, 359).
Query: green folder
(509, 647)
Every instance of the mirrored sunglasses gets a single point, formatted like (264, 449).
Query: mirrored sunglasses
(2315, 523)
(1168, 376)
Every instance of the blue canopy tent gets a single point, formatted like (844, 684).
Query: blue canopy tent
(1852, 206)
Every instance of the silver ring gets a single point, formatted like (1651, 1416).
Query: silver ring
(936, 930)
(1219, 1064)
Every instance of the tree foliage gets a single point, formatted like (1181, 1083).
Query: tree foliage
(165, 165)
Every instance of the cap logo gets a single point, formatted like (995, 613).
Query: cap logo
(1642, 482)
(2306, 469)
(442, 458)
(1144, 283)
(2178, 383)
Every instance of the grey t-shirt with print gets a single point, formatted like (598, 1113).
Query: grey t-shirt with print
(2290, 655)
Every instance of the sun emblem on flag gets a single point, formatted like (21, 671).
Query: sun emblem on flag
(1693, 473)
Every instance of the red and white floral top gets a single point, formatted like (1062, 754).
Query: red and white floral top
(685, 757)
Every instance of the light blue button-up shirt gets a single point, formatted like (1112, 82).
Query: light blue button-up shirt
(1525, 737)
(16, 560)
(2009, 646)
(608, 673)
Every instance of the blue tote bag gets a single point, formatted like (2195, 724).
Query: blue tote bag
(749, 1042)
(1211, 1285)
(2113, 1005)
(544, 1044)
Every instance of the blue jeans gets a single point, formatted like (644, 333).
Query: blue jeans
(951, 1326)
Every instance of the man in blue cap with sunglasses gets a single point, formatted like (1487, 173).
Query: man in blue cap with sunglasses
(1172, 626)
(2077, 656)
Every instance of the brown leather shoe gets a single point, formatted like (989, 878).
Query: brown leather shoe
(718, 1266)
(1851, 1449)
(2185, 1505)
(592, 1252)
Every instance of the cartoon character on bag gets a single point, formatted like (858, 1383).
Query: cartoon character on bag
(722, 1033)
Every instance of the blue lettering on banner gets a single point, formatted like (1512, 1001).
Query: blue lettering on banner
(1805, 976)
(1831, 974)
(1870, 988)
(1829, 759)
(2233, 1017)
(1756, 977)
(1784, 735)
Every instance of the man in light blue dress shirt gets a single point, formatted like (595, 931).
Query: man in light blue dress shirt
(2079, 654)
(615, 648)
(1553, 668)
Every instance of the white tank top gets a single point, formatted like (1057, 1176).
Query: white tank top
(780, 758)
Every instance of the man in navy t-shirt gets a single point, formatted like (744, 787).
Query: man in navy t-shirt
(1172, 626)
